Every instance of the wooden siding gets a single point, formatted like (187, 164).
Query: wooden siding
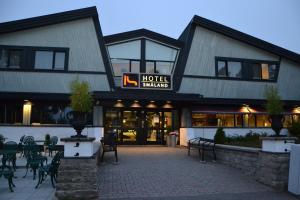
(79, 35)
(201, 61)
(48, 82)
(206, 45)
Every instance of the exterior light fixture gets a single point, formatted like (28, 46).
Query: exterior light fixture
(168, 105)
(135, 104)
(119, 104)
(26, 112)
(151, 105)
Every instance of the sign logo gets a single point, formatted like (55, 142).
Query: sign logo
(147, 81)
(130, 80)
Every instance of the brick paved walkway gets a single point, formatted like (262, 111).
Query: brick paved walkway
(168, 173)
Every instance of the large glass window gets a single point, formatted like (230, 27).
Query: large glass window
(49, 60)
(262, 121)
(225, 120)
(143, 56)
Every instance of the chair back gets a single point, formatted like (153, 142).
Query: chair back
(109, 139)
(22, 139)
(53, 140)
(10, 145)
(28, 140)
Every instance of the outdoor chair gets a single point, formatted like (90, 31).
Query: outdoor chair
(53, 145)
(33, 158)
(8, 173)
(109, 144)
(50, 169)
(20, 145)
(9, 152)
(202, 144)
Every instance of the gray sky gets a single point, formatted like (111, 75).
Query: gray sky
(276, 21)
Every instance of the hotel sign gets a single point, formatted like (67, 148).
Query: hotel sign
(146, 81)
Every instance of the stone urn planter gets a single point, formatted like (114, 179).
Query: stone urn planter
(277, 144)
(78, 122)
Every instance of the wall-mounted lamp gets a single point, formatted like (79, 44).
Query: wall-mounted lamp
(26, 112)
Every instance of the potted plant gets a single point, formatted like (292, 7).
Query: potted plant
(81, 104)
(274, 107)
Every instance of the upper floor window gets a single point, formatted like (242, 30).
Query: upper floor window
(142, 56)
(49, 60)
(246, 69)
(10, 58)
(33, 58)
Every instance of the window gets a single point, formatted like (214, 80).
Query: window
(49, 60)
(234, 69)
(222, 72)
(30, 58)
(142, 55)
(10, 58)
(246, 69)
(124, 65)
(150, 67)
(225, 120)
(262, 121)
(164, 67)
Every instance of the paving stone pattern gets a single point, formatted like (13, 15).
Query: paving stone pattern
(168, 173)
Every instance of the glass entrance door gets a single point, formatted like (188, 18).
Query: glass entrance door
(140, 126)
(130, 126)
(153, 127)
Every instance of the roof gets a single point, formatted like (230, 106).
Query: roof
(45, 20)
(139, 33)
(188, 34)
(35, 22)
(243, 37)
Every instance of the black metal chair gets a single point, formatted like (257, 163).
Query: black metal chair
(9, 152)
(50, 169)
(33, 158)
(109, 144)
(52, 145)
(8, 173)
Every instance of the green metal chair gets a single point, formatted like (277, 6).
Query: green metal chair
(50, 169)
(8, 173)
(33, 158)
(52, 145)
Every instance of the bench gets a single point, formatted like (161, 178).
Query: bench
(202, 144)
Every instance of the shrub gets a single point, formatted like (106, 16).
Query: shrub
(294, 129)
(220, 136)
(81, 99)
